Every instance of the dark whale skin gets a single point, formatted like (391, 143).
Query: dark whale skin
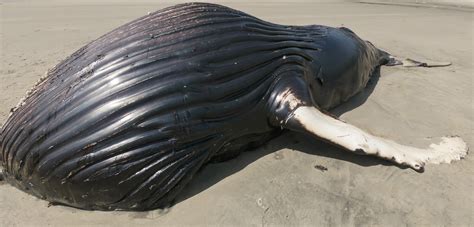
(127, 120)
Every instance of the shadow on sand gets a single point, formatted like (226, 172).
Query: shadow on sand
(213, 173)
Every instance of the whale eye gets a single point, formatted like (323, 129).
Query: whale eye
(320, 80)
(319, 76)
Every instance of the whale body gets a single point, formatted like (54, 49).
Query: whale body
(127, 120)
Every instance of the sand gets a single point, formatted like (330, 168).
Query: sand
(278, 184)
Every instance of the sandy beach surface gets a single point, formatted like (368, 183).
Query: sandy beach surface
(278, 184)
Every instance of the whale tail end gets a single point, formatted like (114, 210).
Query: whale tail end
(387, 59)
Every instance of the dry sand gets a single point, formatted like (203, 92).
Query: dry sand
(278, 184)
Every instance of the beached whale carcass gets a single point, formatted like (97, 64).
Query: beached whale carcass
(127, 120)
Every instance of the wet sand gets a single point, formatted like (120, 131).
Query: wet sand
(278, 184)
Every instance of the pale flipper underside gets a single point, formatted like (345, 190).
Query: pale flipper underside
(311, 120)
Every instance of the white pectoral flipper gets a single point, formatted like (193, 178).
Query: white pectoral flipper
(310, 120)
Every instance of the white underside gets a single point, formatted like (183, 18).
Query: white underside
(355, 139)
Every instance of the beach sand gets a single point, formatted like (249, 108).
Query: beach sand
(278, 183)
